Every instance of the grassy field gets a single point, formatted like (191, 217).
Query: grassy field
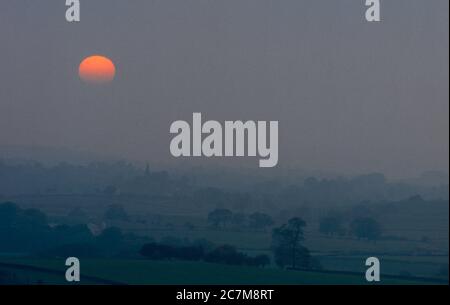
(429, 267)
(421, 247)
(157, 272)
(414, 223)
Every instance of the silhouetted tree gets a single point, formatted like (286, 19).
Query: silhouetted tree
(23, 230)
(286, 245)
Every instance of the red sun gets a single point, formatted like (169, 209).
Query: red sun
(97, 69)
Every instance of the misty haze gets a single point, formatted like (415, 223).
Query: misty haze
(362, 157)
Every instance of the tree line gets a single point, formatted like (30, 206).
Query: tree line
(225, 254)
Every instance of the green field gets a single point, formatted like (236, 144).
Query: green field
(174, 272)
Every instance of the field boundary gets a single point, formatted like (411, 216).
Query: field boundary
(94, 279)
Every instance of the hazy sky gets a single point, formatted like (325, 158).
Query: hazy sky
(349, 96)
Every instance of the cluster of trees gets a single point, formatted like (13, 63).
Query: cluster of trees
(108, 178)
(366, 228)
(351, 191)
(118, 178)
(361, 227)
(220, 218)
(160, 251)
(224, 254)
(34, 177)
(229, 255)
(28, 231)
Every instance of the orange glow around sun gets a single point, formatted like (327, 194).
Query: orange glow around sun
(97, 69)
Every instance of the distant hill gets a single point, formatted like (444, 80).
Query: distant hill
(430, 178)
(49, 156)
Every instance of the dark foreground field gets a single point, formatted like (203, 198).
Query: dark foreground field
(40, 271)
